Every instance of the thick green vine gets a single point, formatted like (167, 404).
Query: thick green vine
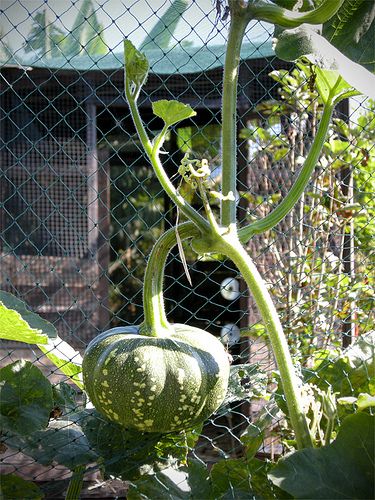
(208, 236)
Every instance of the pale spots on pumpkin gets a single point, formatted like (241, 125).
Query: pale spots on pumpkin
(105, 372)
(151, 397)
(180, 376)
(153, 388)
(141, 385)
(111, 355)
(183, 397)
(141, 368)
(105, 383)
(136, 358)
(149, 404)
(138, 412)
(148, 422)
(137, 393)
(115, 416)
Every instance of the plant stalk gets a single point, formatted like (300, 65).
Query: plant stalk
(276, 14)
(76, 483)
(229, 119)
(152, 153)
(237, 253)
(155, 322)
(287, 204)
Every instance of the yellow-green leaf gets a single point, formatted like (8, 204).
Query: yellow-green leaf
(14, 327)
(172, 111)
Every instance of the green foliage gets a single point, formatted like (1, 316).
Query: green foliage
(318, 296)
(304, 41)
(85, 37)
(330, 84)
(350, 373)
(352, 31)
(136, 66)
(65, 358)
(338, 383)
(246, 381)
(17, 322)
(65, 399)
(45, 37)
(129, 454)
(343, 469)
(62, 441)
(12, 486)
(26, 398)
(227, 479)
(30, 421)
(172, 112)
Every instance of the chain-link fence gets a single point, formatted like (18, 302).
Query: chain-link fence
(81, 206)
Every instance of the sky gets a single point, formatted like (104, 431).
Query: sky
(121, 18)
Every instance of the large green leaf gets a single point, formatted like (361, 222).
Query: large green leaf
(305, 41)
(344, 469)
(65, 358)
(63, 442)
(235, 479)
(253, 436)
(159, 486)
(192, 482)
(351, 372)
(129, 454)
(352, 31)
(172, 111)
(64, 399)
(12, 487)
(243, 479)
(18, 323)
(26, 398)
(198, 479)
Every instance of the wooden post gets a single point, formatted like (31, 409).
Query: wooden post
(348, 253)
(98, 209)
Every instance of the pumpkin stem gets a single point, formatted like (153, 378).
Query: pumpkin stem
(155, 322)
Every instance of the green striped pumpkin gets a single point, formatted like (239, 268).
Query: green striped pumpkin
(156, 384)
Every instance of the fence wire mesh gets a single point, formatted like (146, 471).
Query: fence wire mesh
(81, 208)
